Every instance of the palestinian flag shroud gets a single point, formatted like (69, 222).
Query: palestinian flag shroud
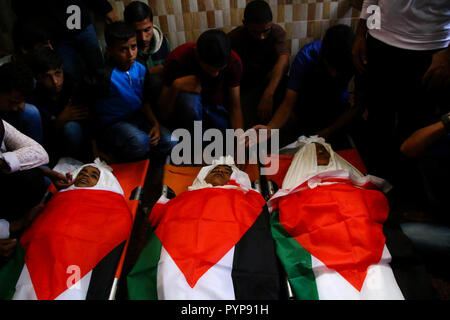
(77, 231)
(211, 243)
(329, 237)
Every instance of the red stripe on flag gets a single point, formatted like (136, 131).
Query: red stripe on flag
(198, 228)
(340, 225)
(77, 228)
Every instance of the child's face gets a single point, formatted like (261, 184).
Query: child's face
(52, 80)
(124, 53)
(87, 177)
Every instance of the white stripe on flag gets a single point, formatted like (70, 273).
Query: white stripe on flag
(215, 284)
(78, 291)
(380, 283)
(25, 288)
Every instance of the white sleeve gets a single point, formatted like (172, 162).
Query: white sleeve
(4, 229)
(22, 152)
(367, 3)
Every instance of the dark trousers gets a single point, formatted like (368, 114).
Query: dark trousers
(20, 192)
(397, 104)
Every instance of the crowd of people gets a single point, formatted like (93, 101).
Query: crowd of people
(60, 96)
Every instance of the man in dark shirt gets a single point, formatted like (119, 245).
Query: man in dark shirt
(201, 82)
(261, 44)
(317, 89)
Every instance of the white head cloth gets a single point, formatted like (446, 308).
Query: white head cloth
(304, 164)
(106, 182)
(240, 177)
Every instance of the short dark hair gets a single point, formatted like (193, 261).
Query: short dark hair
(137, 11)
(337, 47)
(258, 11)
(27, 34)
(214, 48)
(118, 31)
(44, 59)
(16, 76)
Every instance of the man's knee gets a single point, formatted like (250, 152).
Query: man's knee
(73, 132)
(31, 113)
(190, 106)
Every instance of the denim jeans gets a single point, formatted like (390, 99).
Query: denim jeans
(190, 108)
(28, 122)
(73, 138)
(83, 50)
(129, 140)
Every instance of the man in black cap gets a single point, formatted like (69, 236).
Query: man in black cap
(201, 82)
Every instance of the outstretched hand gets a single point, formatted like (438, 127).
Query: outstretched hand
(60, 181)
(437, 76)
(259, 137)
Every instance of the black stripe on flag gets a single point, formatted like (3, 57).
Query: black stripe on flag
(103, 275)
(256, 270)
(407, 266)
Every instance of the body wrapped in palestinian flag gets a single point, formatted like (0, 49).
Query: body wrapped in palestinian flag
(329, 225)
(71, 250)
(329, 237)
(209, 243)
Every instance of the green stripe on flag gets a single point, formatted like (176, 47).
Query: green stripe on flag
(10, 273)
(296, 261)
(142, 279)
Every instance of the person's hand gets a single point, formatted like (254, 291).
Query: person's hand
(154, 135)
(72, 113)
(260, 138)
(265, 107)
(7, 248)
(359, 53)
(59, 180)
(324, 133)
(189, 83)
(437, 76)
(111, 17)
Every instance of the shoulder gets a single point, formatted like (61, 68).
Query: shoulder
(235, 59)
(312, 49)
(278, 31)
(237, 33)
(309, 52)
(182, 50)
(139, 67)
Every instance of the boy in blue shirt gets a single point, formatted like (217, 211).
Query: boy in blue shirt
(128, 126)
